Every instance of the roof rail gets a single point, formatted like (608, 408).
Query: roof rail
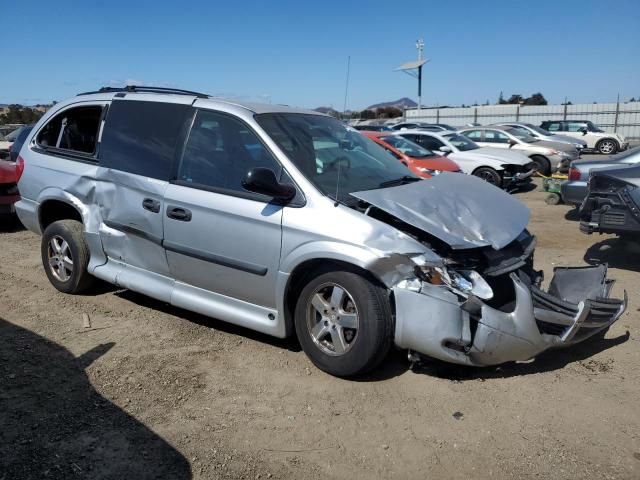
(147, 89)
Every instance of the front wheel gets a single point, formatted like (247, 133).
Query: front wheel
(607, 146)
(343, 322)
(489, 175)
(543, 166)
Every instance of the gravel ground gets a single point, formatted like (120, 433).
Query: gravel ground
(150, 391)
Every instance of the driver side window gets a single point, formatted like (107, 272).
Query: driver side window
(220, 151)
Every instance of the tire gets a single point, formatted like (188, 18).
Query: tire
(321, 322)
(489, 175)
(542, 164)
(63, 241)
(607, 146)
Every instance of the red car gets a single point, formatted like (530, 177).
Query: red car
(9, 174)
(418, 159)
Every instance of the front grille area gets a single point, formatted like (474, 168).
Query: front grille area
(614, 218)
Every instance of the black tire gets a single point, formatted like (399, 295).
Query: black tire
(374, 333)
(607, 146)
(543, 166)
(489, 175)
(72, 232)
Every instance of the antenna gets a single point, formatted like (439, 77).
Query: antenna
(346, 87)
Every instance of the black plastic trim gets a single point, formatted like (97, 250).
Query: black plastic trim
(134, 231)
(218, 259)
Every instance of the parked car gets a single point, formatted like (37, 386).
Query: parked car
(18, 141)
(575, 189)
(548, 156)
(373, 128)
(596, 138)
(433, 127)
(503, 168)
(542, 134)
(4, 147)
(422, 162)
(9, 172)
(612, 204)
(283, 221)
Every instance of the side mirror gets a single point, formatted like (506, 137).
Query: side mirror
(263, 180)
(583, 130)
(445, 149)
(512, 143)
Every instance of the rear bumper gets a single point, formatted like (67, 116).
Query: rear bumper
(573, 191)
(434, 322)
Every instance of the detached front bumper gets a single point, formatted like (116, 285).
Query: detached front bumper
(435, 322)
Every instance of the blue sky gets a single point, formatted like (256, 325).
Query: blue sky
(295, 52)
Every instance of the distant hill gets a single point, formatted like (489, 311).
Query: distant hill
(401, 104)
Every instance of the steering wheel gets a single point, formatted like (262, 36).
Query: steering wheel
(333, 164)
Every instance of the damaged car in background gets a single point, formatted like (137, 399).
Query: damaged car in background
(288, 222)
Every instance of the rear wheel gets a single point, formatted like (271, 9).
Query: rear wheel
(343, 322)
(65, 256)
(607, 146)
(489, 175)
(543, 166)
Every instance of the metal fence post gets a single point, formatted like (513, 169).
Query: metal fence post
(475, 115)
(437, 115)
(615, 122)
(564, 115)
(518, 113)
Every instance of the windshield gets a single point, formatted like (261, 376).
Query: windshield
(331, 155)
(594, 128)
(537, 129)
(407, 147)
(522, 134)
(461, 142)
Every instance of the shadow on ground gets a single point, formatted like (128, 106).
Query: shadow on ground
(55, 425)
(10, 224)
(290, 343)
(616, 252)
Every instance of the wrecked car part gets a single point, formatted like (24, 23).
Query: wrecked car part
(483, 216)
(437, 322)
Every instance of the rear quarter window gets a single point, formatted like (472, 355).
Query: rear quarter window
(142, 137)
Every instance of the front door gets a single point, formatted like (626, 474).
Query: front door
(219, 237)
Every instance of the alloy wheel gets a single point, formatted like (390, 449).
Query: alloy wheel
(60, 259)
(332, 319)
(607, 147)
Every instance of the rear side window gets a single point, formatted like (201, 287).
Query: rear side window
(142, 137)
(74, 130)
(553, 127)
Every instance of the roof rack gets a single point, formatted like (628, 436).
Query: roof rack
(144, 88)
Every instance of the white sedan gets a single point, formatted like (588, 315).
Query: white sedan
(503, 168)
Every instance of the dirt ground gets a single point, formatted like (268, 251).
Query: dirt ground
(150, 391)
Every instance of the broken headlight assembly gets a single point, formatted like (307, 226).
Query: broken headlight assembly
(464, 282)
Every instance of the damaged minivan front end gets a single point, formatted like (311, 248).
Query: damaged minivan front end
(482, 303)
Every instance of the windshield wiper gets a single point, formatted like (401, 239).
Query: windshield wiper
(399, 181)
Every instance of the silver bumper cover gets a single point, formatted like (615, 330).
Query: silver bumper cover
(436, 323)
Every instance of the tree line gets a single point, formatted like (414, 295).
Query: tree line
(20, 114)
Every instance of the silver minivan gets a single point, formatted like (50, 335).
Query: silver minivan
(283, 221)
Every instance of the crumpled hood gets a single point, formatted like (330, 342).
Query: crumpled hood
(461, 210)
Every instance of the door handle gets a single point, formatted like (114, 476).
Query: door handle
(179, 213)
(151, 205)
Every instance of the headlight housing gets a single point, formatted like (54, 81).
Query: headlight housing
(430, 171)
(464, 282)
